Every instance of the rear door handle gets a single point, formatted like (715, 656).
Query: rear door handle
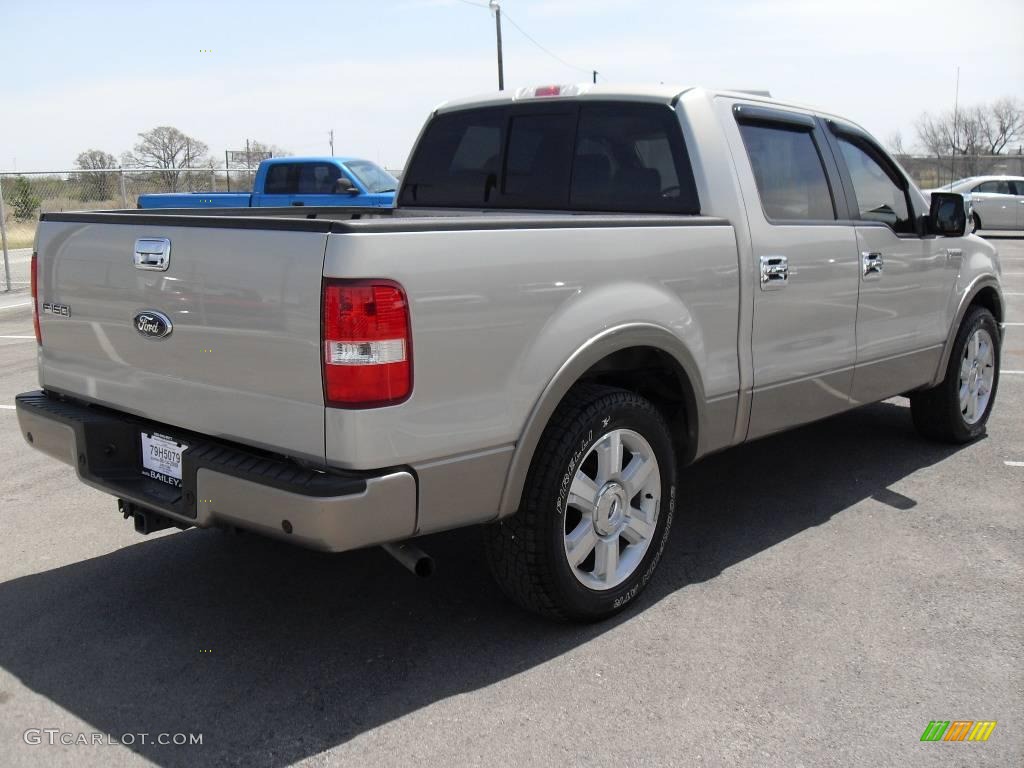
(296, 202)
(774, 272)
(873, 265)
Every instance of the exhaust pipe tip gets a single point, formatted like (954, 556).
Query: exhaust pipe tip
(411, 557)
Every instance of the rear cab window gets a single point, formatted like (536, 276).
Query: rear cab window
(573, 156)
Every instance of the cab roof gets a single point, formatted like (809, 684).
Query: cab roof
(312, 159)
(662, 93)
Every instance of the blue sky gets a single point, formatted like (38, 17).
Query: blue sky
(77, 75)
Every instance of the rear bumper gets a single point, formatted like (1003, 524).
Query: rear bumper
(222, 483)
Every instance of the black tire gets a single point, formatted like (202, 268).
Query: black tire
(526, 552)
(936, 412)
(977, 223)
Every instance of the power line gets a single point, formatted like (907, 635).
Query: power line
(530, 37)
(554, 56)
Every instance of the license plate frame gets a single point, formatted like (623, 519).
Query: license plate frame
(161, 458)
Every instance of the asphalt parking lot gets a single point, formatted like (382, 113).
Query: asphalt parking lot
(826, 593)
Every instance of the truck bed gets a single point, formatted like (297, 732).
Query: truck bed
(243, 292)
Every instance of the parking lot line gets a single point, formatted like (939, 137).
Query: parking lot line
(32, 337)
(7, 407)
(15, 306)
(1014, 463)
(1016, 373)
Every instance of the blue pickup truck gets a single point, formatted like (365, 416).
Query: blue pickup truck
(320, 181)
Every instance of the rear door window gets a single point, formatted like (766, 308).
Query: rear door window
(280, 179)
(788, 171)
(999, 187)
(590, 157)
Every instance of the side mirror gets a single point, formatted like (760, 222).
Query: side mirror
(948, 214)
(344, 186)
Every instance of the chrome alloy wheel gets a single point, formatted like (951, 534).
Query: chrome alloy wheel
(977, 376)
(612, 509)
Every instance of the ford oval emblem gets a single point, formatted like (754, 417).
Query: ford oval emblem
(153, 325)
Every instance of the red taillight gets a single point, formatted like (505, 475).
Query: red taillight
(35, 297)
(548, 90)
(367, 354)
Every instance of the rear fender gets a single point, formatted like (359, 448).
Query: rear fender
(592, 351)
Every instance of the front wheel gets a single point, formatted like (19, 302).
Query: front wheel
(596, 510)
(975, 223)
(957, 410)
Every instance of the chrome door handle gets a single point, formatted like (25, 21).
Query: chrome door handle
(153, 253)
(774, 272)
(873, 264)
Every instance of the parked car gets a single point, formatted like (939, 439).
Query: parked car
(581, 289)
(995, 202)
(301, 181)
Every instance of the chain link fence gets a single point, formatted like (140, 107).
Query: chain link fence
(930, 172)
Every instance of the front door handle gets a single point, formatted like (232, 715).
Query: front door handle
(774, 272)
(873, 265)
(296, 202)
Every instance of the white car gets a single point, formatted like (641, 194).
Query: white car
(994, 202)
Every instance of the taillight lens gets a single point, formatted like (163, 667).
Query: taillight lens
(367, 353)
(35, 297)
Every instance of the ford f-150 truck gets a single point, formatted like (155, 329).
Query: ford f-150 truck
(301, 181)
(581, 289)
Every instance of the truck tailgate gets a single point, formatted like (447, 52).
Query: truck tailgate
(242, 359)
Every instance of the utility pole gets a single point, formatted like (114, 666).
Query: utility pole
(330, 135)
(595, 77)
(496, 7)
(952, 155)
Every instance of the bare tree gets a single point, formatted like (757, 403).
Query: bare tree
(97, 185)
(257, 151)
(268, 150)
(1000, 124)
(980, 130)
(895, 143)
(167, 150)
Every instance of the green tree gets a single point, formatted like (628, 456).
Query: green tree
(23, 202)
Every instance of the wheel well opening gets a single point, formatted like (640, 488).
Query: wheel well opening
(657, 376)
(989, 299)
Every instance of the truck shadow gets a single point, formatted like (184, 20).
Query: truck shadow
(276, 654)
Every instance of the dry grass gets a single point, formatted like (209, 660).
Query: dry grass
(21, 234)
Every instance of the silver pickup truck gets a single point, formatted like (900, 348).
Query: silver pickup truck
(580, 290)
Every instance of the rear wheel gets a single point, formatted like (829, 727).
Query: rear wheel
(957, 410)
(596, 510)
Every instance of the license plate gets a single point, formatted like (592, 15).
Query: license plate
(161, 458)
